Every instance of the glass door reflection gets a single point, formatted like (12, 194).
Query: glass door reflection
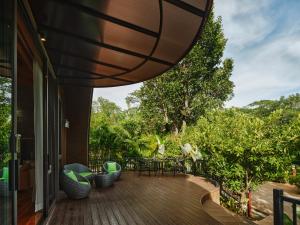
(6, 109)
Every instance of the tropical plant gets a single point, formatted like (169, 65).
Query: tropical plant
(160, 145)
(189, 151)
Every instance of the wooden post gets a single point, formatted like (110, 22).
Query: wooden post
(294, 214)
(278, 206)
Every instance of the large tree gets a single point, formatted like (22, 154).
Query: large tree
(200, 82)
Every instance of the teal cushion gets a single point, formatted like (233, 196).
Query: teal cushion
(5, 173)
(111, 167)
(85, 174)
(72, 175)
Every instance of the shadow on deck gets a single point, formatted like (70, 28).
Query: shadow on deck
(143, 200)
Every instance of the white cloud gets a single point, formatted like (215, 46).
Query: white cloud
(116, 94)
(245, 22)
(265, 47)
(268, 72)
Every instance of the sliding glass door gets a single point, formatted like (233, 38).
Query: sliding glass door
(7, 130)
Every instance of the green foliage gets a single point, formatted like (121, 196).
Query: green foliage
(241, 150)
(5, 119)
(231, 204)
(199, 83)
(150, 145)
(287, 220)
(172, 144)
(117, 134)
(295, 180)
(291, 138)
(263, 108)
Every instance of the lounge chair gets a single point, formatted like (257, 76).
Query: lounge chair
(82, 170)
(74, 185)
(112, 168)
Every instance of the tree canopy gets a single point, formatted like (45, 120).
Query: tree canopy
(198, 84)
(263, 108)
(242, 150)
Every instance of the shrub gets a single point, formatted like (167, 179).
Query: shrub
(295, 180)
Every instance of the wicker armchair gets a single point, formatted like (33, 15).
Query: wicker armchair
(116, 173)
(82, 170)
(75, 189)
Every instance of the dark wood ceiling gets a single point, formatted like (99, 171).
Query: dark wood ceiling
(105, 43)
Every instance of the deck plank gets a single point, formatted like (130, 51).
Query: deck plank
(137, 200)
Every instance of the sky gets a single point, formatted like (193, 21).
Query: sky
(264, 42)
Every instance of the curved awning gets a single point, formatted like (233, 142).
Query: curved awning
(105, 43)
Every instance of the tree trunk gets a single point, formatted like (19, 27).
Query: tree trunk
(249, 206)
(246, 205)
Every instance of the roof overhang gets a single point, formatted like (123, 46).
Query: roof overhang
(105, 43)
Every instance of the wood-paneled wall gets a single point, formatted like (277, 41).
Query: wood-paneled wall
(77, 105)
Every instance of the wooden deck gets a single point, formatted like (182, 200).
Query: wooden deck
(138, 200)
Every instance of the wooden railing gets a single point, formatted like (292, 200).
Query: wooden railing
(195, 168)
(127, 164)
(134, 164)
(231, 200)
(278, 202)
(155, 166)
